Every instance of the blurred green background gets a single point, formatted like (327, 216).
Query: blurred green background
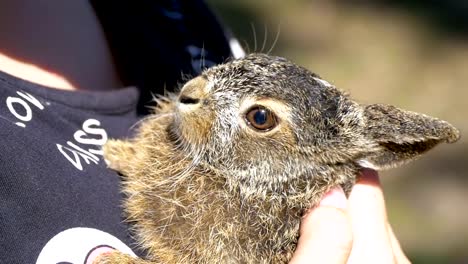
(412, 54)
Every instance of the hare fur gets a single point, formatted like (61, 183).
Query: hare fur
(206, 183)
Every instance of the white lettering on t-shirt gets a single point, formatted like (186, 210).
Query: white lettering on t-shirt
(81, 135)
(91, 134)
(20, 107)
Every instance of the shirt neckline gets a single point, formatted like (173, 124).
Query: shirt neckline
(112, 101)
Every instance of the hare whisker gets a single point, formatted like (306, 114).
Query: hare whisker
(276, 38)
(150, 117)
(265, 36)
(252, 26)
(246, 44)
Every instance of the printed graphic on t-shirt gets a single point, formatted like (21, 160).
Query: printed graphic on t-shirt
(80, 245)
(93, 136)
(85, 145)
(21, 107)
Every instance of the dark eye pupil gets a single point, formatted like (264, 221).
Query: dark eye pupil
(260, 116)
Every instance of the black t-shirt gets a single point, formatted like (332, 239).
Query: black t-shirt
(58, 201)
(56, 194)
(153, 42)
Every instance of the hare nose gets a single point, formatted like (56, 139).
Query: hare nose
(188, 100)
(193, 92)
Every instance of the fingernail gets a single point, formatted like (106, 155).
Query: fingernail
(335, 198)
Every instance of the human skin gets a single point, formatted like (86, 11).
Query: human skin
(353, 230)
(58, 44)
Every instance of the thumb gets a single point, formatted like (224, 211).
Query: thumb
(325, 234)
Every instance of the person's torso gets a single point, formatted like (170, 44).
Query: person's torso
(59, 202)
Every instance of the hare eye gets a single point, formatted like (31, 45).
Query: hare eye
(261, 118)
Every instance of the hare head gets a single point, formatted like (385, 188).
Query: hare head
(266, 123)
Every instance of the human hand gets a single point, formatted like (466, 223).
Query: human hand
(353, 230)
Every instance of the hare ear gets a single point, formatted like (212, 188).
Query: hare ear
(402, 135)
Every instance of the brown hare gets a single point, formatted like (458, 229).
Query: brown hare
(223, 171)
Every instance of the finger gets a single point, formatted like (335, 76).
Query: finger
(369, 221)
(325, 234)
(400, 256)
